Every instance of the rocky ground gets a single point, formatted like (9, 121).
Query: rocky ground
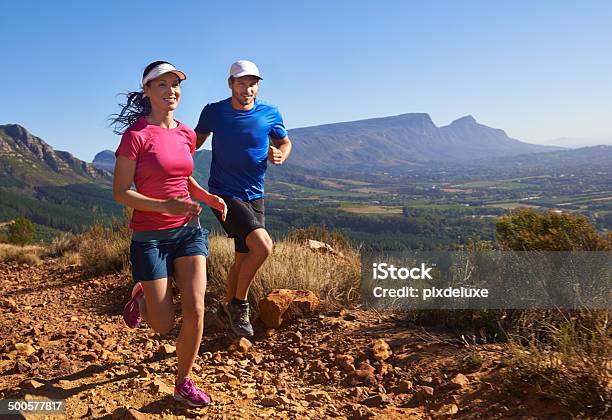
(62, 336)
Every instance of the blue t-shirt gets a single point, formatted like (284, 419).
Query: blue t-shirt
(240, 146)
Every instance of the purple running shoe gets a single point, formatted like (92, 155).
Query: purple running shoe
(131, 311)
(188, 393)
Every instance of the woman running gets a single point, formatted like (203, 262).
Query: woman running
(156, 154)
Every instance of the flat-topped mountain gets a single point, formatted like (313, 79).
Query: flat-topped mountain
(401, 140)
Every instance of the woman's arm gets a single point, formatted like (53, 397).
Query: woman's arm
(122, 193)
(211, 200)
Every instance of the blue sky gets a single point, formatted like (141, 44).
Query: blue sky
(539, 70)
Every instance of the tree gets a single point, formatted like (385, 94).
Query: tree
(21, 231)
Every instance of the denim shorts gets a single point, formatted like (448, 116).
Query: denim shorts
(154, 259)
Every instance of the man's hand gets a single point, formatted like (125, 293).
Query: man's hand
(275, 155)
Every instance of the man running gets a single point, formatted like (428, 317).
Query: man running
(242, 128)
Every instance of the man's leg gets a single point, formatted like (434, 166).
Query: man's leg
(236, 312)
(260, 247)
(232, 276)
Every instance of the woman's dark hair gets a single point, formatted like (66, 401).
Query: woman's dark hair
(136, 105)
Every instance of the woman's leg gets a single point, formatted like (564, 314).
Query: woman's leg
(190, 275)
(156, 306)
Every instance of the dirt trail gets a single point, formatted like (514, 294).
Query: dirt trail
(62, 336)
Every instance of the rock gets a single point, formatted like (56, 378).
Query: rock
(228, 377)
(166, 350)
(377, 400)
(317, 366)
(358, 412)
(381, 350)
(317, 396)
(364, 374)
(345, 362)
(89, 357)
(283, 400)
(123, 413)
(244, 345)
(322, 247)
(25, 348)
(366, 367)
(296, 336)
(404, 387)
(446, 411)
(32, 384)
(269, 402)
(423, 393)
(460, 381)
(161, 387)
(9, 303)
(285, 304)
(22, 366)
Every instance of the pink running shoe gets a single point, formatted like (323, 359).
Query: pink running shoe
(131, 312)
(188, 393)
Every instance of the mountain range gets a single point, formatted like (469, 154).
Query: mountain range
(50, 187)
(390, 143)
(54, 188)
(400, 141)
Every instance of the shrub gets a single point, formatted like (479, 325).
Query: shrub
(568, 352)
(105, 250)
(65, 243)
(528, 230)
(20, 232)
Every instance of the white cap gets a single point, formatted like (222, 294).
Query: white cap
(244, 68)
(160, 69)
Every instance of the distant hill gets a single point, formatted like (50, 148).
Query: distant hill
(104, 160)
(50, 187)
(591, 156)
(576, 143)
(27, 158)
(402, 140)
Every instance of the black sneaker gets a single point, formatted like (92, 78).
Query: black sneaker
(238, 314)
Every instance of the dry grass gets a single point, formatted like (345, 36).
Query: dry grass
(335, 280)
(292, 265)
(105, 250)
(99, 250)
(569, 355)
(29, 254)
(63, 244)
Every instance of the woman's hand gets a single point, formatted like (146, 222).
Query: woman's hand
(181, 206)
(217, 203)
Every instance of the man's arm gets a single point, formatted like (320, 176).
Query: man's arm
(279, 153)
(201, 138)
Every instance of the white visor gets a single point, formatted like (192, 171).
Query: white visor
(163, 68)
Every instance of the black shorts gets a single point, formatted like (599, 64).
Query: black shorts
(243, 217)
